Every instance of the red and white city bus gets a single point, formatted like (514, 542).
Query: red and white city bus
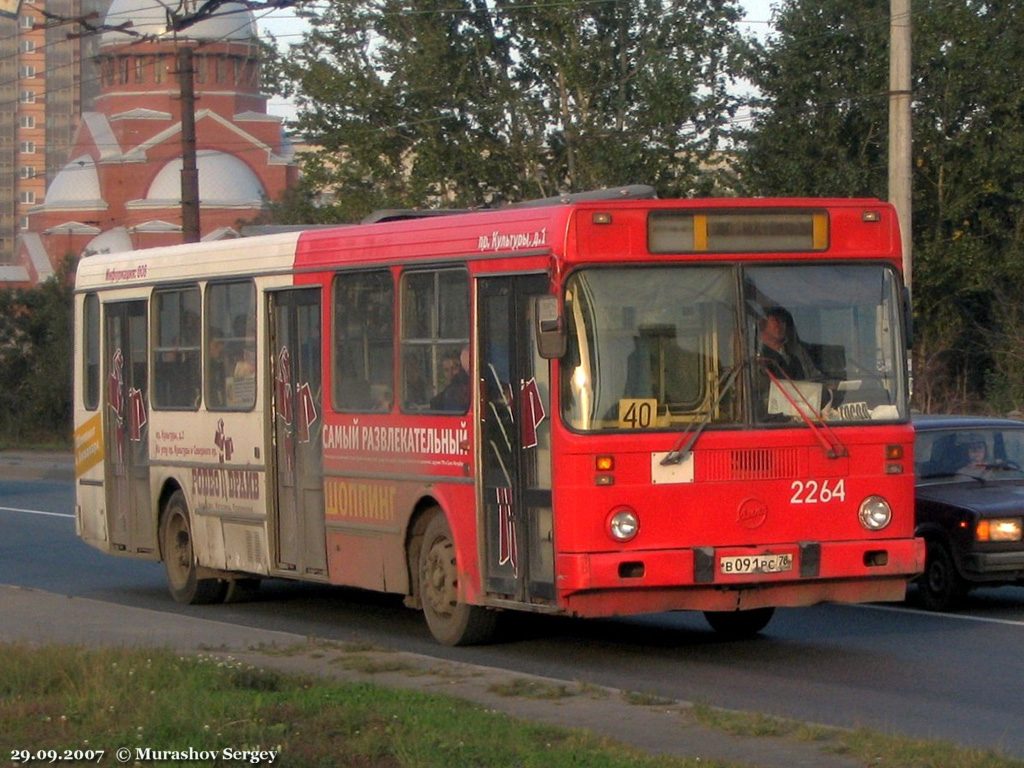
(561, 408)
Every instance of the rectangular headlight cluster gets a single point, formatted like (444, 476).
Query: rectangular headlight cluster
(999, 529)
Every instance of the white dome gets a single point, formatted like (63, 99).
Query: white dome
(113, 240)
(223, 180)
(231, 21)
(77, 184)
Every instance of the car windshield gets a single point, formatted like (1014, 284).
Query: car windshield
(983, 452)
(784, 344)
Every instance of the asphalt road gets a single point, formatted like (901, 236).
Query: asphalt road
(956, 677)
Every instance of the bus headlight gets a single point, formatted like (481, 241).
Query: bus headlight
(875, 513)
(623, 524)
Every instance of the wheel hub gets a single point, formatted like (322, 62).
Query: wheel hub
(440, 578)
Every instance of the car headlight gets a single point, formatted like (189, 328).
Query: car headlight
(623, 524)
(999, 529)
(875, 513)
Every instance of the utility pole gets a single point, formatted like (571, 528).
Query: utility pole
(900, 140)
(189, 170)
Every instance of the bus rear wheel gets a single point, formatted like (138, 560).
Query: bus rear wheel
(739, 624)
(180, 558)
(451, 622)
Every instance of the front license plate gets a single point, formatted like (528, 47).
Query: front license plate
(749, 564)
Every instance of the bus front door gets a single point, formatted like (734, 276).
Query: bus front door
(516, 434)
(131, 522)
(294, 364)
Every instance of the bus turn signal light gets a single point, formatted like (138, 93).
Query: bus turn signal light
(605, 463)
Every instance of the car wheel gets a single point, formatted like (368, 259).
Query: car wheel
(940, 586)
(451, 622)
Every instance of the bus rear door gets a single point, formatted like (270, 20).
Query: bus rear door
(516, 434)
(295, 369)
(131, 525)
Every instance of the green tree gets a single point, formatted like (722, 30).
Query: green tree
(969, 193)
(822, 130)
(35, 356)
(821, 117)
(476, 102)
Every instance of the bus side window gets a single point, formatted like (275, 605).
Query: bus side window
(230, 372)
(363, 341)
(91, 351)
(435, 341)
(176, 363)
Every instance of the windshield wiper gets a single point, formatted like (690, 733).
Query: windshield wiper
(686, 440)
(948, 475)
(830, 443)
(1004, 465)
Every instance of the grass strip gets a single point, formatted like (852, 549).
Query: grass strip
(869, 747)
(71, 698)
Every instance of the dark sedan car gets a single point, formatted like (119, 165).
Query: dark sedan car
(969, 504)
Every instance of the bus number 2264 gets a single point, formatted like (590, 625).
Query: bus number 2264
(817, 491)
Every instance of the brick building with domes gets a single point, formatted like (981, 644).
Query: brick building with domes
(121, 188)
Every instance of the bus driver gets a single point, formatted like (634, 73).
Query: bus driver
(781, 349)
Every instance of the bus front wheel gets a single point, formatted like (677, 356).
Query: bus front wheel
(180, 558)
(451, 622)
(739, 624)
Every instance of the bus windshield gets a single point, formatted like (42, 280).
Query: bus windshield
(732, 345)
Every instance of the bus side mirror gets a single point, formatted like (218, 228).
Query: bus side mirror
(550, 327)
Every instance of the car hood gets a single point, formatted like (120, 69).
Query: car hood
(992, 497)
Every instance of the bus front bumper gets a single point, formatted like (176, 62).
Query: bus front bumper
(737, 578)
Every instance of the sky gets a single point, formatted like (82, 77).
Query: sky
(287, 28)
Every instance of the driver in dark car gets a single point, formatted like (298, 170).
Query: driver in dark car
(976, 454)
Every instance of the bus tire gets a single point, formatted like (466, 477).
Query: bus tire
(451, 622)
(739, 624)
(180, 558)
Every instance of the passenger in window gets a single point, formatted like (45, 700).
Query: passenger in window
(455, 395)
(781, 350)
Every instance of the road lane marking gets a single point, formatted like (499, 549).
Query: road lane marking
(937, 615)
(36, 512)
